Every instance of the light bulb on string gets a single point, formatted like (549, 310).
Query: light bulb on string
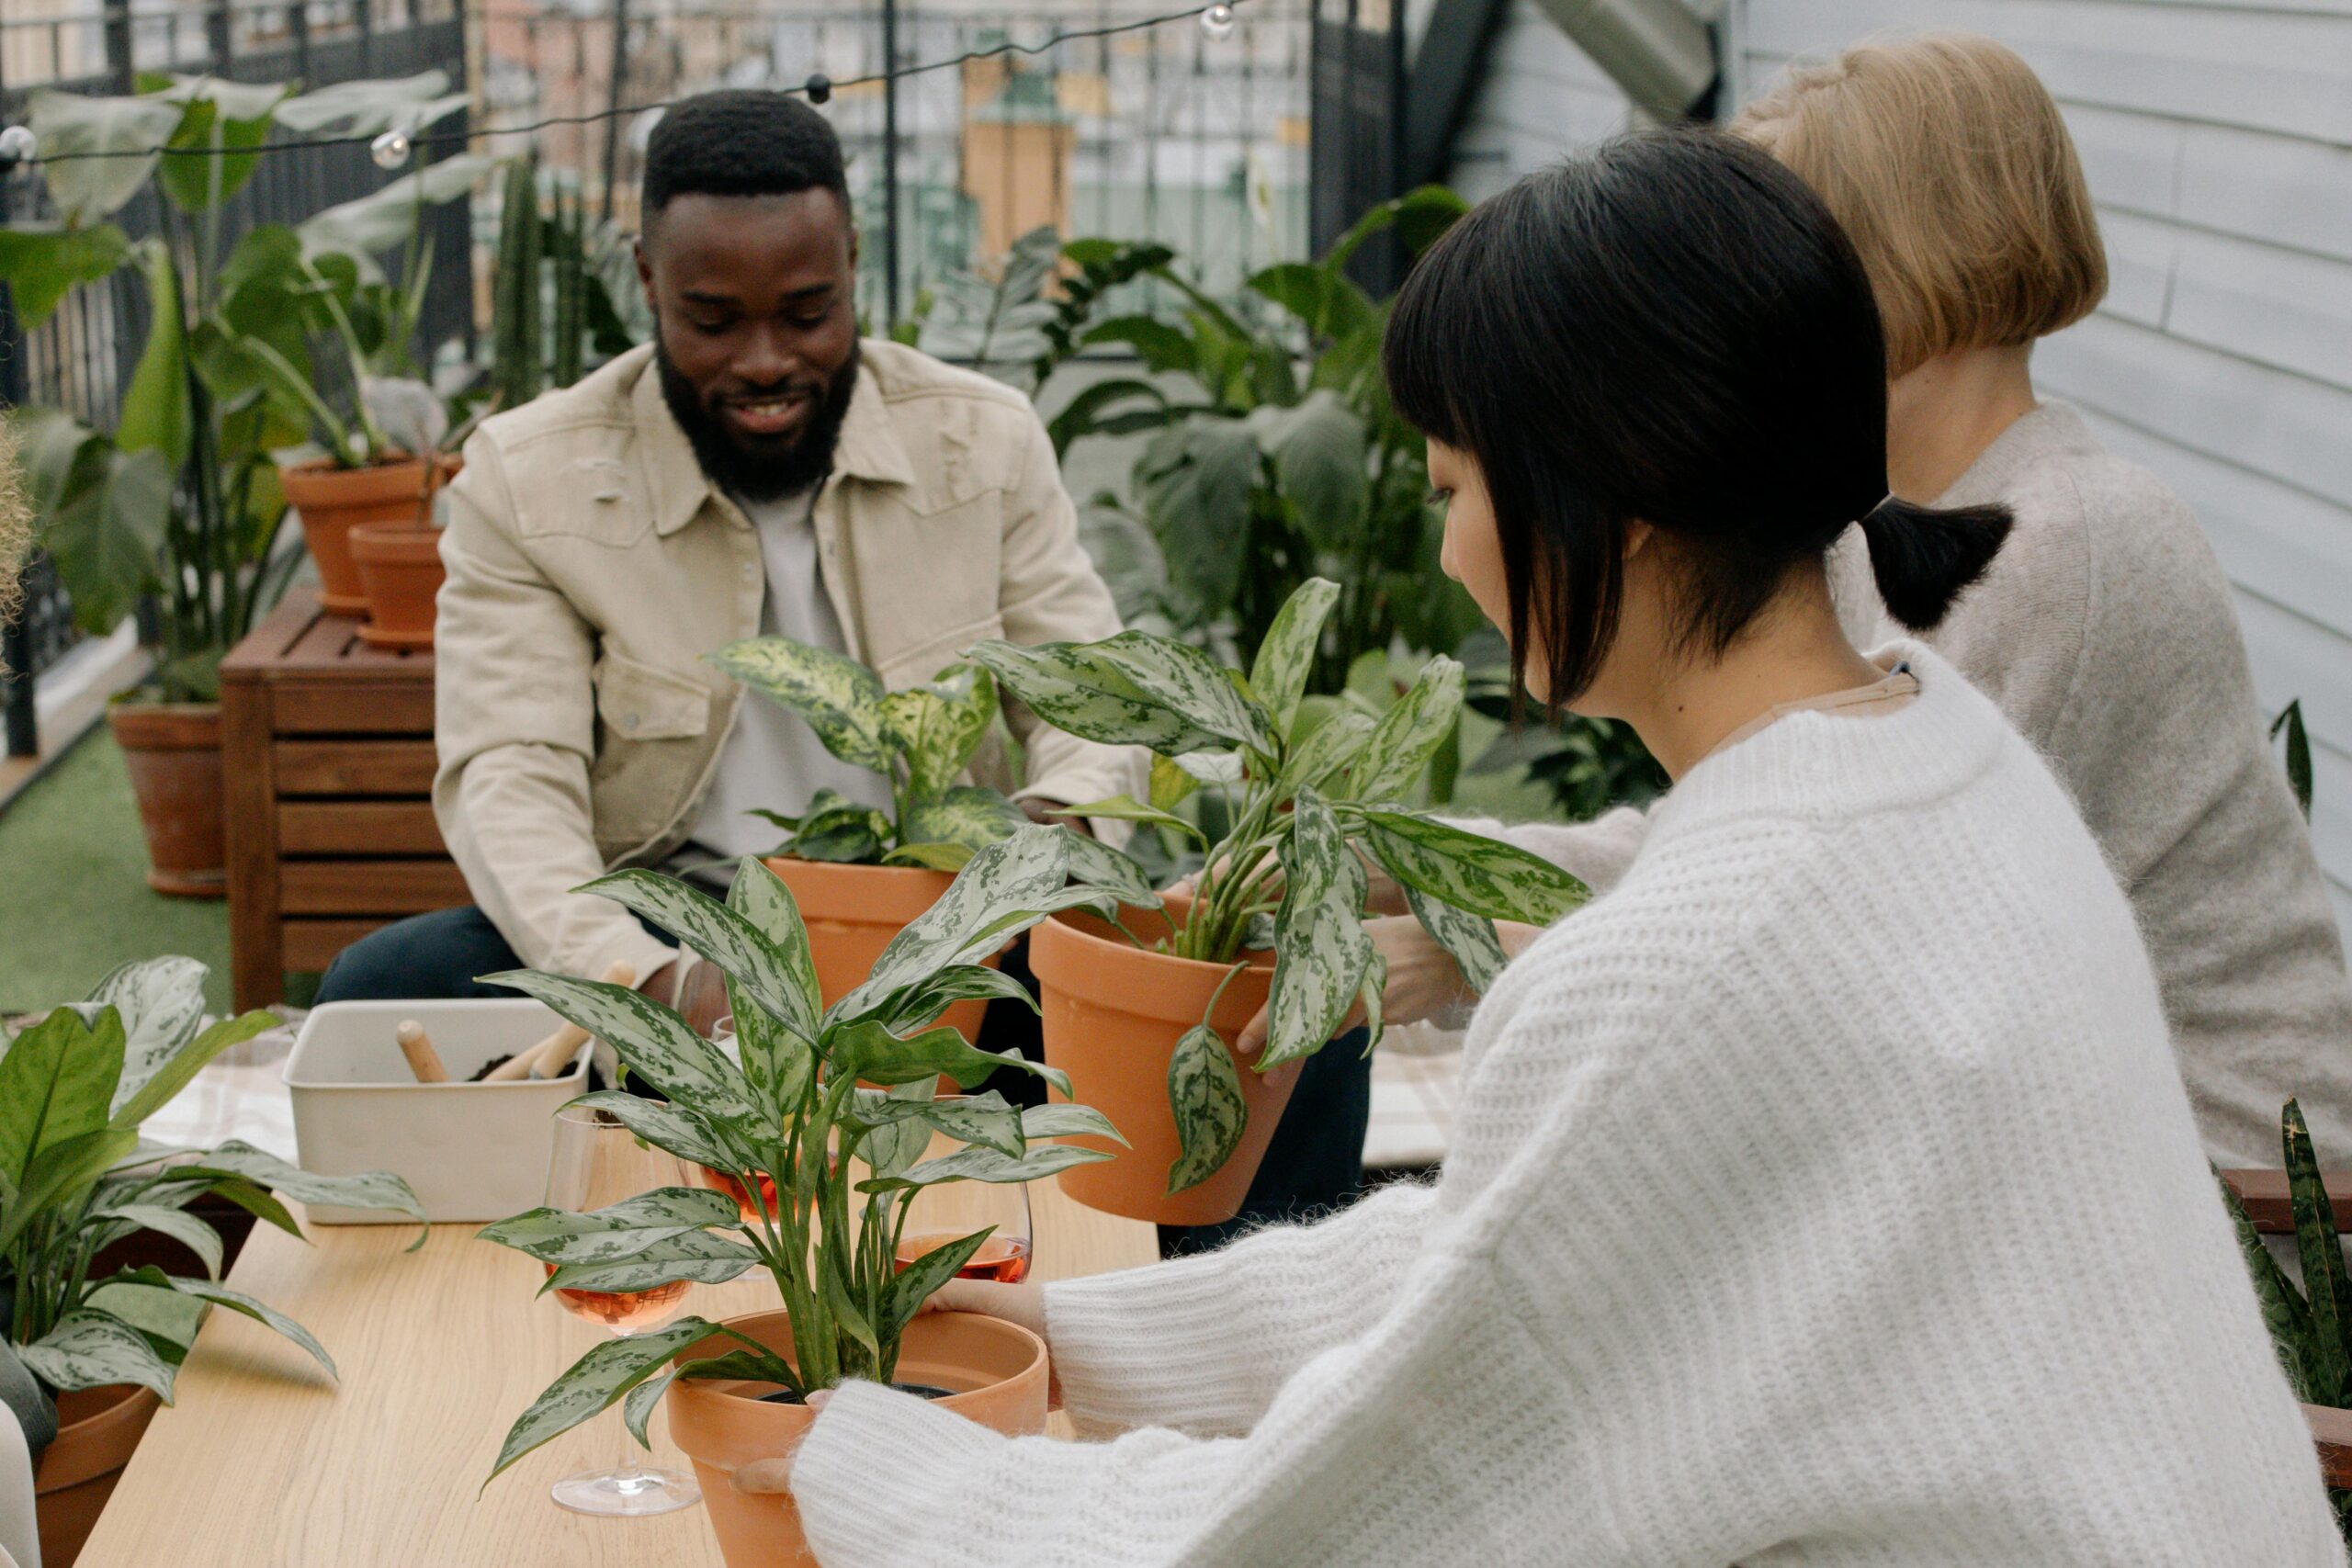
(390, 150)
(1218, 22)
(18, 145)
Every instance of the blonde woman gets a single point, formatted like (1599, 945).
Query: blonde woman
(2105, 630)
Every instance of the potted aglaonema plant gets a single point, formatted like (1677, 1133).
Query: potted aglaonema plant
(77, 1181)
(859, 873)
(843, 1162)
(1141, 1013)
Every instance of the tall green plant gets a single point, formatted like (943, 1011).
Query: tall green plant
(919, 740)
(76, 1178)
(555, 305)
(795, 1113)
(1286, 873)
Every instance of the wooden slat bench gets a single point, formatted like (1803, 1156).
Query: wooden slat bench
(328, 752)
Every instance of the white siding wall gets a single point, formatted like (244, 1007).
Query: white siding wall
(2218, 139)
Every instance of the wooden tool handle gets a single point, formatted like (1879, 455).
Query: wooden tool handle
(417, 1047)
(546, 1058)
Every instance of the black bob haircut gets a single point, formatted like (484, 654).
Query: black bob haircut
(1672, 329)
(741, 143)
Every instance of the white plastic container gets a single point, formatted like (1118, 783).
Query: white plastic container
(474, 1152)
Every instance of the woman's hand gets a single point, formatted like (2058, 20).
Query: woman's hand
(1423, 978)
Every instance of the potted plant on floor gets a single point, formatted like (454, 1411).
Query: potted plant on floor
(840, 1159)
(181, 505)
(1140, 1014)
(75, 1179)
(859, 874)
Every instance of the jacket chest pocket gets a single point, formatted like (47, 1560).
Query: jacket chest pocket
(653, 725)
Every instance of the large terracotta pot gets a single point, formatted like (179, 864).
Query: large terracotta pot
(853, 911)
(400, 570)
(1112, 1015)
(171, 751)
(331, 501)
(98, 1427)
(996, 1370)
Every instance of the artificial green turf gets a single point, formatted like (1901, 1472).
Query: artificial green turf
(73, 895)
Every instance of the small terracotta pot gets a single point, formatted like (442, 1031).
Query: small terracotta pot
(853, 911)
(331, 501)
(997, 1371)
(171, 751)
(1112, 1015)
(98, 1427)
(399, 568)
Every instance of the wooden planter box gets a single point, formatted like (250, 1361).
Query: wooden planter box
(2264, 1195)
(327, 753)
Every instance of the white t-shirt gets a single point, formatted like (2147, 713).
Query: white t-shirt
(773, 761)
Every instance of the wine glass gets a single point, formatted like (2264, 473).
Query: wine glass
(722, 1034)
(598, 1161)
(951, 1210)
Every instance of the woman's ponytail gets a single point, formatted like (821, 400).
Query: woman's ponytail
(1923, 556)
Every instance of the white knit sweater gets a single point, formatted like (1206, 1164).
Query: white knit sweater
(1824, 1194)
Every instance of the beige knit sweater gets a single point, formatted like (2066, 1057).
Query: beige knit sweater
(2105, 633)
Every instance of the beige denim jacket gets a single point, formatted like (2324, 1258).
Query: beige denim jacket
(590, 566)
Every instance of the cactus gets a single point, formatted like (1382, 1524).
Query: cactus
(518, 364)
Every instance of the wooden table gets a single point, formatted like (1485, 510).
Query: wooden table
(328, 752)
(263, 1463)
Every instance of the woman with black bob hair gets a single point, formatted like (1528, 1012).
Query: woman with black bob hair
(1822, 1194)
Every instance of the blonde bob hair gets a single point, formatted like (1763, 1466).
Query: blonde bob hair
(1946, 163)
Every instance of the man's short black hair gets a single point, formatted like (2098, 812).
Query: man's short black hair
(743, 142)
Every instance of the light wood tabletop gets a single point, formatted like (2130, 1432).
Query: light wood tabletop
(264, 1464)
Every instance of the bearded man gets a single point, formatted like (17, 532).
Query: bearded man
(755, 470)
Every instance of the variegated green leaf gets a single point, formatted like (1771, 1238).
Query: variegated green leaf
(366, 1190)
(969, 815)
(1170, 784)
(1017, 873)
(839, 832)
(1320, 948)
(1409, 733)
(976, 1164)
(1466, 870)
(919, 1279)
(721, 934)
(1204, 1094)
(57, 1083)
(940, 725)
(261, 1312)
(656, 1044)
(1126, 808)
(761, 897)
(162, 1004)
(90, 1350)
(56, 1178)
(895, 1146)
(1210, 767)
(638, 1408)
(1328, 747)
(616, 1231)
(848, 1318)
(1065, 1121)
(594, 1382)
(1099, 865)
(1132, 689)
(983, 1118)
(696, 1256)
(1279, 673)
(840, 698)
(177, 1224)
(680, 1132)
(156, 1090)
(865, 1050)
(1190, 682)
(917, 1005)
(1469, 937)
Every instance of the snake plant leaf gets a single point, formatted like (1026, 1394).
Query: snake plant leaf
(366, 1190)
(156, 1088)
(1466, 870)
(2283, 1312)
(42, 263)
(57, 1084)
(1469, 937)
(1279, 673)
(2327, 1359)
(1013, 875)
(593, 1383)
(986, 1120)
(696, 1256)
(1320, 948)
(90, 1350)
(918, 1281)
(1409, 733)
(969, 815)
(616, 1231)
(177, 1224)
(663, 1125)
(86, 189)
(1069, 1121)
(841, 699)
(56, 1178)
(1204, 1094)
(1126, 808)
(940, 724)
(978, 1164)
(261, 1312)
(1171, 786)
(725, 936)
(655, 1043)
(1328, 747)
(760, 895)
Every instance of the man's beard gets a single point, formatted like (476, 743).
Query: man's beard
(758, 477)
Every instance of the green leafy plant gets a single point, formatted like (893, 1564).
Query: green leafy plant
(2312, 1327)
(1307, 808)
(2290, 722)
(76, 1178)
(918, 738)
(794, 1118)
(559, 307)
(181, 502)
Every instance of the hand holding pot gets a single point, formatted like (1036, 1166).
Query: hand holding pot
(1423, 978)
(1022, 1303)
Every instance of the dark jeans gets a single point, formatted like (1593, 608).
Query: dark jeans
(1315, 1163)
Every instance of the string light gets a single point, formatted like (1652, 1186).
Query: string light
(392, 149)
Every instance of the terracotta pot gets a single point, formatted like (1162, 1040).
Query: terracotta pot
(171, 751)
(1112, 1015)
(98, 1427)
(996, 1370)
(853, 911)
(331, 501)
(399, 568)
